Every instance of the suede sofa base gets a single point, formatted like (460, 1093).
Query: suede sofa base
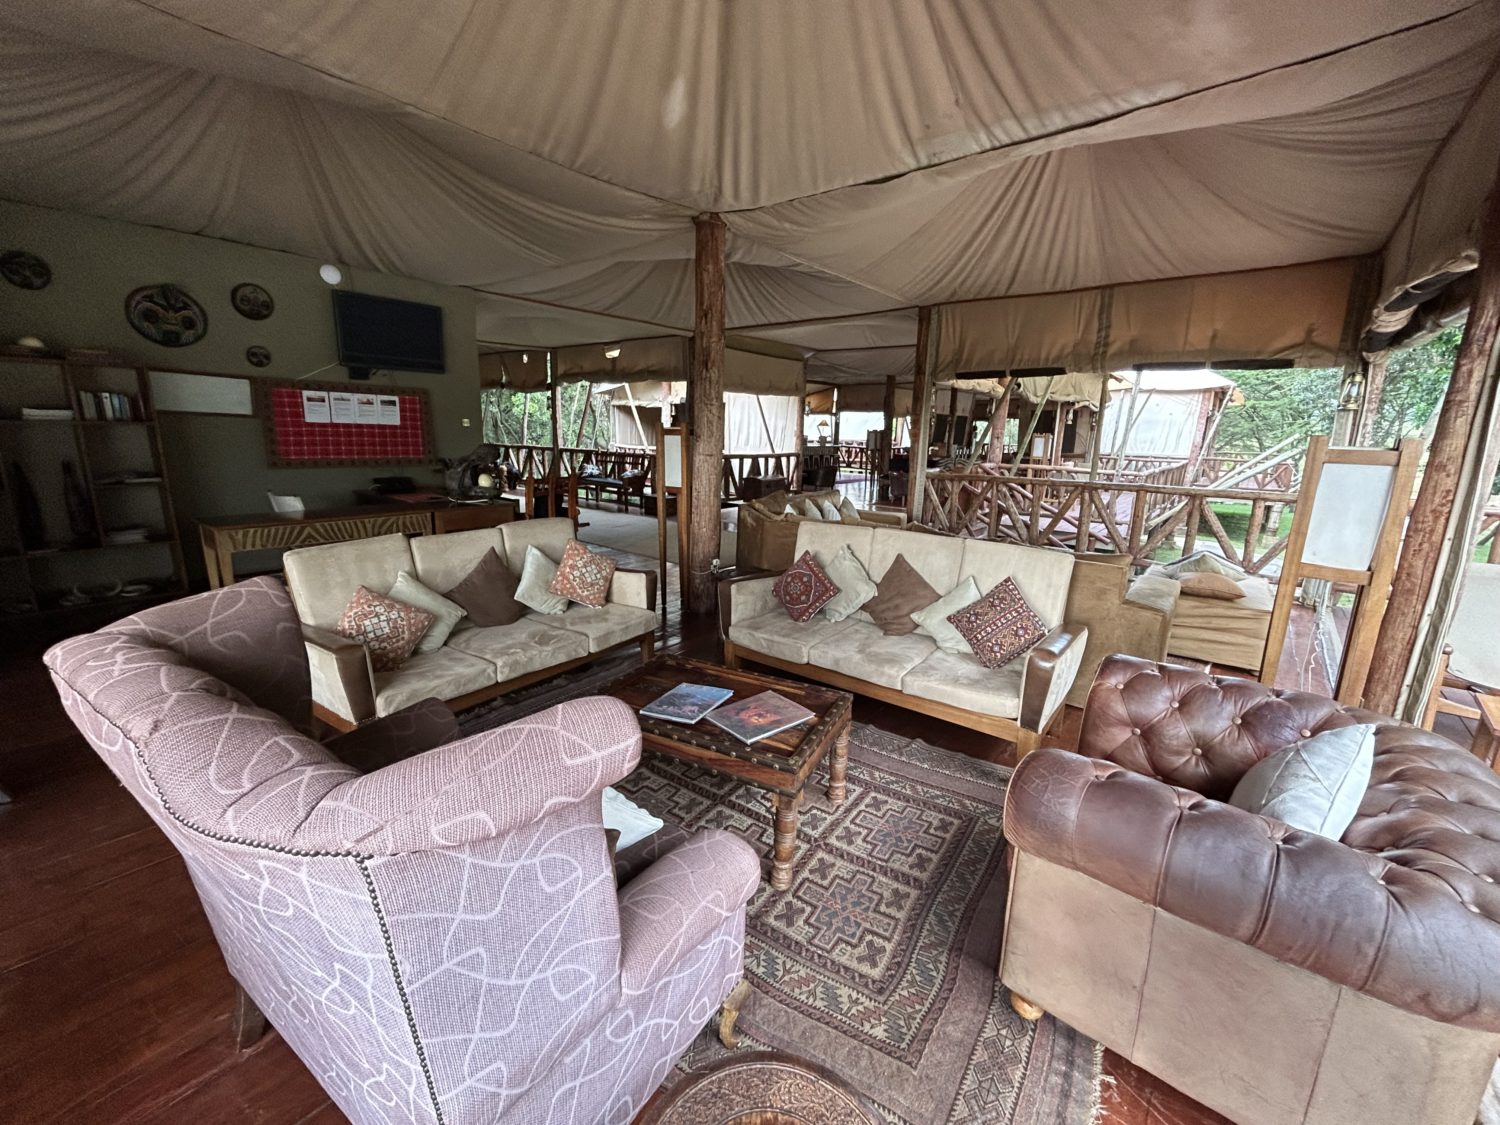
(1259, 1041)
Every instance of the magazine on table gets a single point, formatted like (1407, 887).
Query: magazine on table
(760, 717)
(686, 703)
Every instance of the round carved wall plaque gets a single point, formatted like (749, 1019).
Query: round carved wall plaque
(258, 356)
(167, 315)
(25, 270)
(251, 301)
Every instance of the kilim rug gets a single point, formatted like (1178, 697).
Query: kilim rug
(879, 962)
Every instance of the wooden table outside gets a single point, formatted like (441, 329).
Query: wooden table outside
(780, 764)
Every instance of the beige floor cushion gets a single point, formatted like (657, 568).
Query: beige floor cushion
(1228, 633)
(963, 682)
(866, 653)
(444, 674)
(776, 634)
(521, 647)
(604, 626)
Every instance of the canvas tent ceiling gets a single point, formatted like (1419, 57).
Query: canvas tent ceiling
(868, 155)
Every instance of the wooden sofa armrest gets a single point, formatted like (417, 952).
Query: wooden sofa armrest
(1050, 669)
(342, 680)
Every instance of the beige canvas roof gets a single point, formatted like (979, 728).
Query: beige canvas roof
(868, 156)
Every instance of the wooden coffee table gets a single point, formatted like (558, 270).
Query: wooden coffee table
(780, 764)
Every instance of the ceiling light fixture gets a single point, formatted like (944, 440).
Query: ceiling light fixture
(330, 273)
(611, 353)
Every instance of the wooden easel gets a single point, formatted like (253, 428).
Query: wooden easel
(1347, 529)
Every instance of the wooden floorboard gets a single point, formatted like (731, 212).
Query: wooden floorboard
(113, 996)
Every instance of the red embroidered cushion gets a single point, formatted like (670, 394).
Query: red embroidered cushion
(804, 588)
(1000, 626)
(388, 629)
(583, 576)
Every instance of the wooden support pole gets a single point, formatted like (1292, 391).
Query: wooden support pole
(1098, 439)
(888, 414)
(1427, 528)
(921, 416)
(554, 400)
(952, 435)
(705, 413)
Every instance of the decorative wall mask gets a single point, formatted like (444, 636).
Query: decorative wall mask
(251, 301)
(166, 315)
(258, 356)
(25, 270)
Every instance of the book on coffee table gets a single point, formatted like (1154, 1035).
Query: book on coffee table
(760, 716)
(686, 703)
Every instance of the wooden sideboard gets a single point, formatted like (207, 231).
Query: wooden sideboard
(223, 537)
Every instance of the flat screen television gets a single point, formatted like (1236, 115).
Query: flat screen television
(386, 333)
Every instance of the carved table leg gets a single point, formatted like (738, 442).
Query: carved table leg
(786, 840)
(838, 770)
(1025, 1008)
(731, 1012)
(246, 1022)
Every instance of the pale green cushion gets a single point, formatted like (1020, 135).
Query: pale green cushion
(445, 613)
(537, 574)
(849, 575)
(829, 511)
(811, 510)
(848, 513)
(1316, 784)
(933, 621)
(1204, 562)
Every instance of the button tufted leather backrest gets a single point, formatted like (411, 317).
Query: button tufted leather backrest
(1199, 731)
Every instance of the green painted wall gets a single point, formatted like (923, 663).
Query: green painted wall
(218, 464)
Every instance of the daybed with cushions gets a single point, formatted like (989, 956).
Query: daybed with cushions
(1232, 631)
(1017, 701)
(1133, 617)
(474, 663)
(1276, 975)
(767, 532)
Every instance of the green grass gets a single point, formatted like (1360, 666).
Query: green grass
(1235, 518)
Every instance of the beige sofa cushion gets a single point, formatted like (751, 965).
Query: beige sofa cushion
(523, 646)
(1043, 576)
(548, 536)
(776, 634)
(963, 682)
(322, 579)
(603, 626)
(444, 674)
(824, 540)
(866, 653)
(443, 561)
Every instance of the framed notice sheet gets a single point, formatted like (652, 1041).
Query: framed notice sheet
(330, 424)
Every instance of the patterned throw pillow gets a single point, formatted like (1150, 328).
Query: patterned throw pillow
(1000, 626)
(388, 629)
(583, 576)
(803, 588)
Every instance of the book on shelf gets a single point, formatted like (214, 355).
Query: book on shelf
(109, 406)
(45, 413)
(686, 703)
(759, 717)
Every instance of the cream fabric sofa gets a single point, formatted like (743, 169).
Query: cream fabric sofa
(1017, 702)
(475, 663)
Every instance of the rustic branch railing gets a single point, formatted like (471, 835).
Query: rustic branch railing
(1124, 518)
(738, 466)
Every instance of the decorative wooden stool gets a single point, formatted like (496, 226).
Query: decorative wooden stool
(759, 1088)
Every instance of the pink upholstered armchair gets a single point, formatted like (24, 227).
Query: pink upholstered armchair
(442, 939)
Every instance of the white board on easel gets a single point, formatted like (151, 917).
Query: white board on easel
(671, 454)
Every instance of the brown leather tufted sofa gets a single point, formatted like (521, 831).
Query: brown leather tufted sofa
(1273, 975)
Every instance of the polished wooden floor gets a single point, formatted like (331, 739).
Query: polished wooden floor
(113, 998)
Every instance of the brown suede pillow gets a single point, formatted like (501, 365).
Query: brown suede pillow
(1206, 584)
(901, 593)
(488, 593)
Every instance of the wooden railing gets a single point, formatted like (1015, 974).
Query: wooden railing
(738, 466)
(535, 461)
(1124, 518)
(1488, 539)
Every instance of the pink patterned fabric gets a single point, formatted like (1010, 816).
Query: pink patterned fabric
(583, 576)
(441, 940)
(390, 630)
(1000, 626)
(804, 588)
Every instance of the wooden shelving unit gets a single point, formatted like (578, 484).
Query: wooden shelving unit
(122, 475)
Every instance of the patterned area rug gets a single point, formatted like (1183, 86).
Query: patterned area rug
(879, 963)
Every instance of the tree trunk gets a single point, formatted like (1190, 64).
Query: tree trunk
(705, 413)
